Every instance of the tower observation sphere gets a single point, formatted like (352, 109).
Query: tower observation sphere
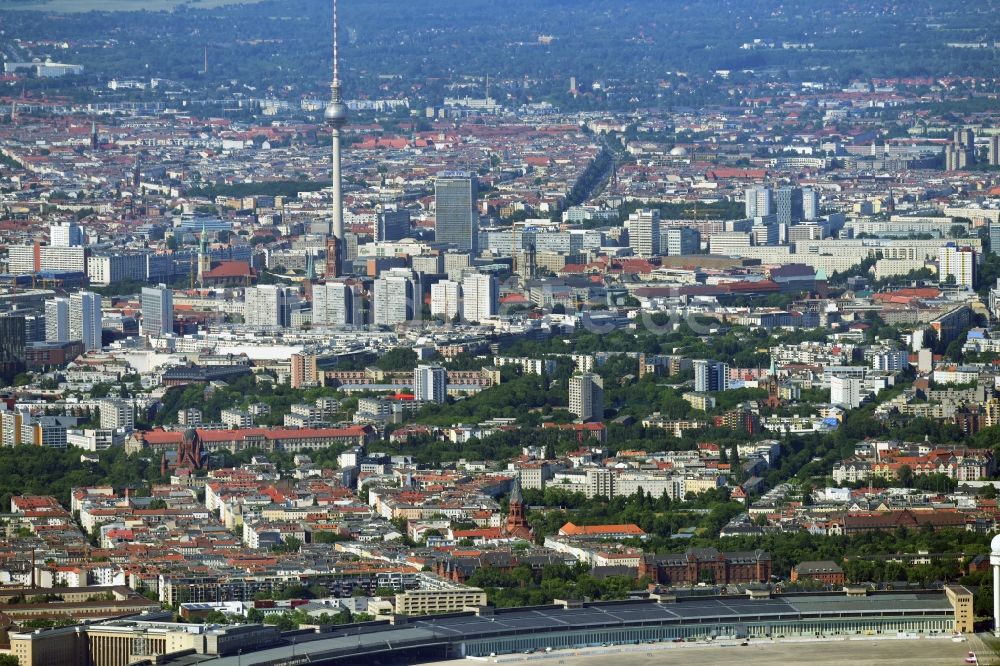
(335, 114)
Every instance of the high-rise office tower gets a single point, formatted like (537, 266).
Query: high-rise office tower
(335, 116)
(57, 320)
(710, 376)
(157, 310)
(336, 304)
(456, 221)
(995, 238)
(85, 319)
(430, 383)
(395, 297)
(994, 151)
(34, 327)
(810, 204)
(65, 234)
(446, 299)
(480, 297)
(644, 232)
(392, 225)
(788, 205)
(758, 202)
(586, 396)
(13, 337)
(268, 305)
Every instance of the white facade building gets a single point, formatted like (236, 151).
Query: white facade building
(644, 232)
(758, 202)
(267, 306)
(430, 383)
(336, 304)
(157, 310)
(395, 294)
(480, 297)
(446, 299)
(957, 265)
(846, 392)
(65, 234)
(57, 320)
(586, 396)
(85, 319)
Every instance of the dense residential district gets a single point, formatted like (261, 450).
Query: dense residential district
(510, 356)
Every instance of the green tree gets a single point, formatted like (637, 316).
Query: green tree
(905, 476)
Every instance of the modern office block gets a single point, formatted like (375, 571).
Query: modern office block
(456, 221)
(85, 319)
(57, 320)
(710, 376)
(157, 310)
(758, 202)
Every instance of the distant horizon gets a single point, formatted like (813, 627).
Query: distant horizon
(81, 6)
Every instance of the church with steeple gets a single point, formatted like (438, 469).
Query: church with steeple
(204, 258)
(221, 273)
(517, 524)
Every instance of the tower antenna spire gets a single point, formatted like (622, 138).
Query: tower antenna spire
(335, 85)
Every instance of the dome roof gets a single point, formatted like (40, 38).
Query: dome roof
(995, 545)
(678, 151)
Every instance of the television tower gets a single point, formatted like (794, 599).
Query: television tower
(336, 117)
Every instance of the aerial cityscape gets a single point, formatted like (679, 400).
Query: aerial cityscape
(371, 332)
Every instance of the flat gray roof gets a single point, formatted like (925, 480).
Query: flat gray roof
(436, 630)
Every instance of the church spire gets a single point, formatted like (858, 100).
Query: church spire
(517, 523)
(204, 259)
(516, 496)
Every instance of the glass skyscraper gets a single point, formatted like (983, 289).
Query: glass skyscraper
(455, 205)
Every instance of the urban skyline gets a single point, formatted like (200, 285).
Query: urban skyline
(364, 331)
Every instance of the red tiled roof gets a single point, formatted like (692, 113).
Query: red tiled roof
(569, 529)
(230, 269)
(170, 437)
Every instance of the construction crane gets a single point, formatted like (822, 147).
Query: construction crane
(693, 212)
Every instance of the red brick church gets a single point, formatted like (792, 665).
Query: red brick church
(517, 523)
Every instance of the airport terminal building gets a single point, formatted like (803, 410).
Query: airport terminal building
(482, 630)
(485, 631)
